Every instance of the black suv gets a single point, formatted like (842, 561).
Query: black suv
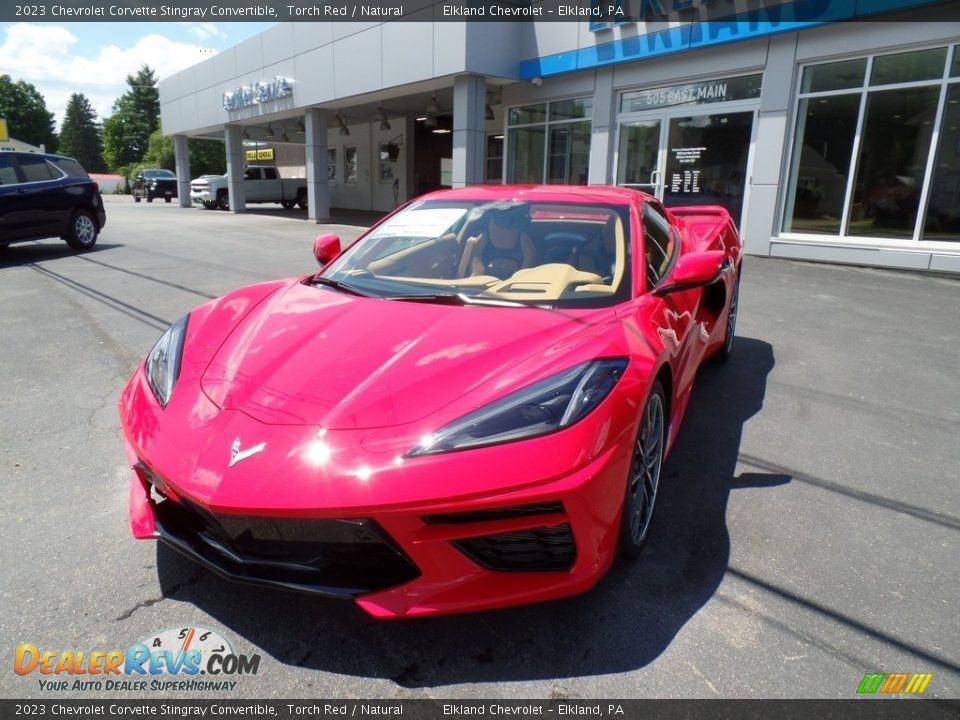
(45, 196)
(153, 183)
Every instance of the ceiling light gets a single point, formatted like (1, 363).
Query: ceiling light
(384, 123)
(246, 134)
(432, 107)
(269, 132)
(442, 131)
(421, 118)
(430, 121)
(284, 137)
(489, 113)
(344, 130)
(300, 128)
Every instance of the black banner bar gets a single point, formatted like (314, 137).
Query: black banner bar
(598, 11)
(854, 709)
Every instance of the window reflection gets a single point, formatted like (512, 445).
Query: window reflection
(821, 163)
(893, 155)
(943, 209)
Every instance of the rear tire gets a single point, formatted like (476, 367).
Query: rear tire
(223, 200)
(82, 231)
(288, 204)
(726, 350)
(136, 198)
(643, 478)
(209, 205)
(302, 199)
(167, 199)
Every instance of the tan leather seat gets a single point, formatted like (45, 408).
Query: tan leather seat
(499, 251)
(599, 255)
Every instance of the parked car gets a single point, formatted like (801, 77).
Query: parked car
(468, 408)
(154, 183)
(262, 184)
(45, 196)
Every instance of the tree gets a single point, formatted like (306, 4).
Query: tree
(136, 114)
(80, 134)
(26, 111)
(206, 156)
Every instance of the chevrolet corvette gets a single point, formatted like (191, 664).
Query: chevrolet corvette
(468, 408)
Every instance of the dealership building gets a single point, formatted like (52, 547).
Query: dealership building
(829, 128)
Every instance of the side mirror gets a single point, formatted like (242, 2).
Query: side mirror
(695, 270)
(326, 248)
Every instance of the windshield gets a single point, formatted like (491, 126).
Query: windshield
(158, 174)
(509, 251)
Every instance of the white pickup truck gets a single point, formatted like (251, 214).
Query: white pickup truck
(262, 184)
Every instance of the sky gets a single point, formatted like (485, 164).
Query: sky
(95, 58)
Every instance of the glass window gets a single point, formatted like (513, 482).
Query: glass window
(894, 149)
(826, 128)
(955, 70)
(36, 169)
(555, 151)
(571, 109)
(350, 164)
(72, 168)
(526, 155)
(8, 175)
(389, 154)
(658, 245)
(270, 173)
(943, 210)
(528, 114)
(834, 76)
(569, 153)
(494, 172)
(331, 164)
(907, 67)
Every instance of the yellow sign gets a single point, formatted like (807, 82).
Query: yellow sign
(4, 135)
(266, 154)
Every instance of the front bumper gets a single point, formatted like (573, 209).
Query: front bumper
(491, 527)
(203, 196)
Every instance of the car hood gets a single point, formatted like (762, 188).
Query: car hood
(312, 355)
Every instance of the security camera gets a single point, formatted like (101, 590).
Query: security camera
(537, 81)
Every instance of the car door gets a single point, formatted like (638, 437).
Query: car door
(11, 213)
(677, 312)
(253, 184)
(33, 207)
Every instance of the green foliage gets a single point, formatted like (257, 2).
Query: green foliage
(136, 115)
(207, 157)
(80, 134)
(26, 111)
(159, 152)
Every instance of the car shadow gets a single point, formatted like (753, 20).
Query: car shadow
(43, 250)
(625, 622)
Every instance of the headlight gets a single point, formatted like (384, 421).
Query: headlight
(163, 362)
(541, 408)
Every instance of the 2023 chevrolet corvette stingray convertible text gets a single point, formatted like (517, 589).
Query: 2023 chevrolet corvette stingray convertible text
(468, 408)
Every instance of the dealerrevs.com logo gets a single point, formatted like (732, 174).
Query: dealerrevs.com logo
(188, 658)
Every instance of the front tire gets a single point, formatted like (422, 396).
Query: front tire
(223, 200)
(209, 205)
(288, 204)
(643, 479)
(136, 198)
(82, 231)
(167, 199)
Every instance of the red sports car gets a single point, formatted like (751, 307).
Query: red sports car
(468, 408)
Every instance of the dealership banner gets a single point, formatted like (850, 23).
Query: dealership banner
(439, 709)
(598, 15)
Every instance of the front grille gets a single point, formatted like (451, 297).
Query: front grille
(498, 513)
(332, 556)
(533, 550)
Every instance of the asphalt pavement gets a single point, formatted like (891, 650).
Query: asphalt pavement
(807, 531)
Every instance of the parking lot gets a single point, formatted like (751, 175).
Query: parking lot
(807, 532)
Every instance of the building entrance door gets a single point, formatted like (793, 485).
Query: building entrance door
(689, 159)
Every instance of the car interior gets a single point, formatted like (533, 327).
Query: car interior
(546, 252)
